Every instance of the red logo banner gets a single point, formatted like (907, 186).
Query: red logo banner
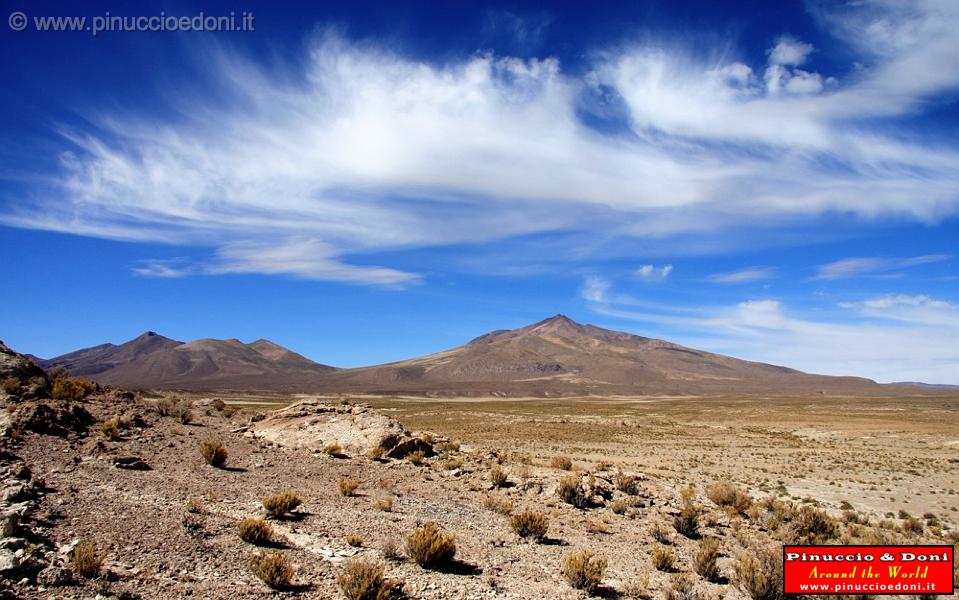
(868, 570)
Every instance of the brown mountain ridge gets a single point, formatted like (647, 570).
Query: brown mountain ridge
(554, 357)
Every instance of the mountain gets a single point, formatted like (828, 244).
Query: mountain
(558, 356)
(154, 361)
(554, 357)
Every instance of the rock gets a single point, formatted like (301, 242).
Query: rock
(356, 429)
(54, 576)
(133, 463)
(9, 523)
(52, 417)
(9, 563)
(20, 377)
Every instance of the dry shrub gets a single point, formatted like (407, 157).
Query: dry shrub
(497, 477)
(705, 560)
(627, 484)
(11, 385)
(451, 464)
(85, 559)
(637, 588)
(584, 570)
(273, 568)
(183, 412)
(255, 531)
(429, 547)
(213, 452)
(813, 526)
(563, 463)
(681, 587)
(278, 505)
(110, 430)
(759, 573)
(355, 541)
(391, 549)
(687, 521)
(416, 457)
(724, 493)
(362, 579)
(570, 492)
(661, 533)
(503, 506)
(218, 404)
(347, 487)
(618, 506)
(333, 449)
(384, 503)
(72, 388)
(663, 557)
(229, 410)
(530, 525)
(913, 525)
(375, 453)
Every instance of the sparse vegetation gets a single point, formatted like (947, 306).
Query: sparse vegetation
(704, 562)
(724, 493)
(627, 484)
(213, 452)
(570, 491)
(687, 521)
(530, 525)
(110, 429)
(637, 588)
(663, 557)
(503, 506)
(85, 559)
(255, 531)
(384, 503)
(347, 486)
(72, 388)
(333, 449)
(497, 477)
(681, 587)
(375, 453)
(661, 533)
(618, 506)
(391, 550)
(416, 457)
(563, 463)
(429, 547)
(759, 573)
(273, 568)
(355, 541)
(584, 570)
(279, 505)
(813, 526)
(362, 579)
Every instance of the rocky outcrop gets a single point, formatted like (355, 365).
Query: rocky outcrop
(356, 429)
(20, 377)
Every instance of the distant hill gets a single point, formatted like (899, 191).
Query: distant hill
(154, 361)
(558, 356)
(554, 357)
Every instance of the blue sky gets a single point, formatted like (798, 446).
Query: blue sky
(365, 182)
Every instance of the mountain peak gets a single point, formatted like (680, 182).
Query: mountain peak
(557, 324)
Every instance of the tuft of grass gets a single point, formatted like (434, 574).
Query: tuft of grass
(618, 506)
(384, 503)
(362, 579)
(416, 457)
(333, 449)
(429, 547)
(563, 463)
(503, 506)
(681, 587)
(584, 570)
(273, 568)
(72, 388)
(637, 588)
(570, 492)
(375, 453)
(663, 558)
(255, 531)
(110, 430)
(213, 452)
(627, 484)
(497, 477)
(280, 504)
(813, 526)
(347, 486)
(391, 550)
(687, 521)
(724, 493)
(704, 562)
(530, 525)
(759, 573)
(85, 559)
(661, 533)
(355, 541)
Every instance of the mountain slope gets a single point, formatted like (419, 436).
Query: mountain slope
(559, 356)
(154, 361)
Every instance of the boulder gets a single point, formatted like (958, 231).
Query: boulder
(51, 417)
(20, 377)
(356, 429)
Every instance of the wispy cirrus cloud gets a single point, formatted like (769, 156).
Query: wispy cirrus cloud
(746, 275)
(874, 266)
(653, 273)
(368, 151)
(887, 338)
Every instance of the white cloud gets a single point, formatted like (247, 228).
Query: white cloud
(744, 275)
(855, 267)
(654, 273)
(367, 151)
(595, 289)
(789, 51)
(166, 269)
(891, 338)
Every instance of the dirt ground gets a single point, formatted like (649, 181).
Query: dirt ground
(171, 531)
